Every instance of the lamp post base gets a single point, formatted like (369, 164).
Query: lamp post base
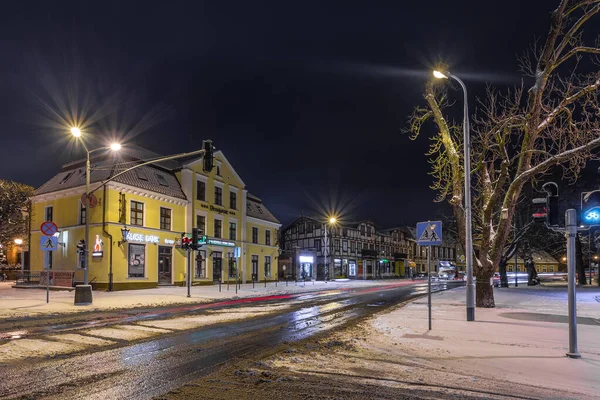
(83, 295)
(573, 355)
(470, 314)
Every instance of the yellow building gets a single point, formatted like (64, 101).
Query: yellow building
(137, 219)
(543, 261)
(241, 231)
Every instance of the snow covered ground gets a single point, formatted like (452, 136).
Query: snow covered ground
(512, 342)
(511, 351)
(16, 303)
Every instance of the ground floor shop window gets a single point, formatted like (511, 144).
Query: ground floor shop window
(337, 267)
(200, 270)
(352, 268)
(137, 260)
(267, 265)
(232, 268)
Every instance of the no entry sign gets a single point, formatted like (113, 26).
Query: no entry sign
(49, 228)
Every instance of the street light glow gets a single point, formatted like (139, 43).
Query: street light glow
(19, 241)
(439, 75)
(332, 220)
(115, 146)
(76, 131)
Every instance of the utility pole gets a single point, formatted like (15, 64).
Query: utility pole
(571, 232)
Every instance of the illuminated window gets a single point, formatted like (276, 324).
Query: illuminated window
(137, 213)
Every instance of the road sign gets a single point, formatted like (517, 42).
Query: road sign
(429, 233)
(48, 228)
(93, 200)
(49, 243)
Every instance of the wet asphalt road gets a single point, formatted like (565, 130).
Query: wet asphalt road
(155, 366)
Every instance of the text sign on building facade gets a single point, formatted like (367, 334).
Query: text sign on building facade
(429, 233)
(139, 237)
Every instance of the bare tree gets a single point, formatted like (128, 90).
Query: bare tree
(14, 210)
(519, 135)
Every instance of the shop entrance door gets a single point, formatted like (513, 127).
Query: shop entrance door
(165, 257)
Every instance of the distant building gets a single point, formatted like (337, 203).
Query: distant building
(347, 250)
(543, 261)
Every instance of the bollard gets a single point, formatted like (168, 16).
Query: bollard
(265, 281)
(219, 286)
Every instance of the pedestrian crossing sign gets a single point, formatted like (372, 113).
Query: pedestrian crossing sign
(49, 243)
(429, 233)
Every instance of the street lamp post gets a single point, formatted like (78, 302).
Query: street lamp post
(468, 228)
(331, 220)
(115, 147)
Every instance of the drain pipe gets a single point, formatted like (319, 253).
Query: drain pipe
(110, 258)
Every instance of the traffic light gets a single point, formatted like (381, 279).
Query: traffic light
(195, 237)
(208, 159)
(81, 246)
(185, 242)
(590, 208)
(548, 207)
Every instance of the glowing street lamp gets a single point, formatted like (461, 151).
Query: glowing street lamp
(115, 146)
(76, 131)
(439, 75)
(468, 222)
(18, 242)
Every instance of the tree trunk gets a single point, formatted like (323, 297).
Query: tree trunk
(484, 291)
(580, 266)
(502, 269)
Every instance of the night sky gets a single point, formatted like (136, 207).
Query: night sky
(307, 99)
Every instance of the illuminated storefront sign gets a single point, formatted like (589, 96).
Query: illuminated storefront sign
(218, 242)
(306, 259)
(169, 241)
(139, 237)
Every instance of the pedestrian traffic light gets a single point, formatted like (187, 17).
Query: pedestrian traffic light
(208, 159)
(552, 217)
(548, 207)
(590, 208)
(195, 237)
(81, 246)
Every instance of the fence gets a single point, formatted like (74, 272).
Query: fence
(40, 278)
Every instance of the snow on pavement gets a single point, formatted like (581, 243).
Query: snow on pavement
(15, 303)
(495, 346)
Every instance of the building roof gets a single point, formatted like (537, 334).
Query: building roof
(256, 209)
(538, 256)
(148, 177)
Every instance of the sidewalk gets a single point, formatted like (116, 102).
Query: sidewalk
(513, 342)
(16, 303)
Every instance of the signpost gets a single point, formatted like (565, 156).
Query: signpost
(429, 234)
(48, 228)
(48, 243)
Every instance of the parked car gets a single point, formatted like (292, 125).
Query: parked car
(496, 279)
